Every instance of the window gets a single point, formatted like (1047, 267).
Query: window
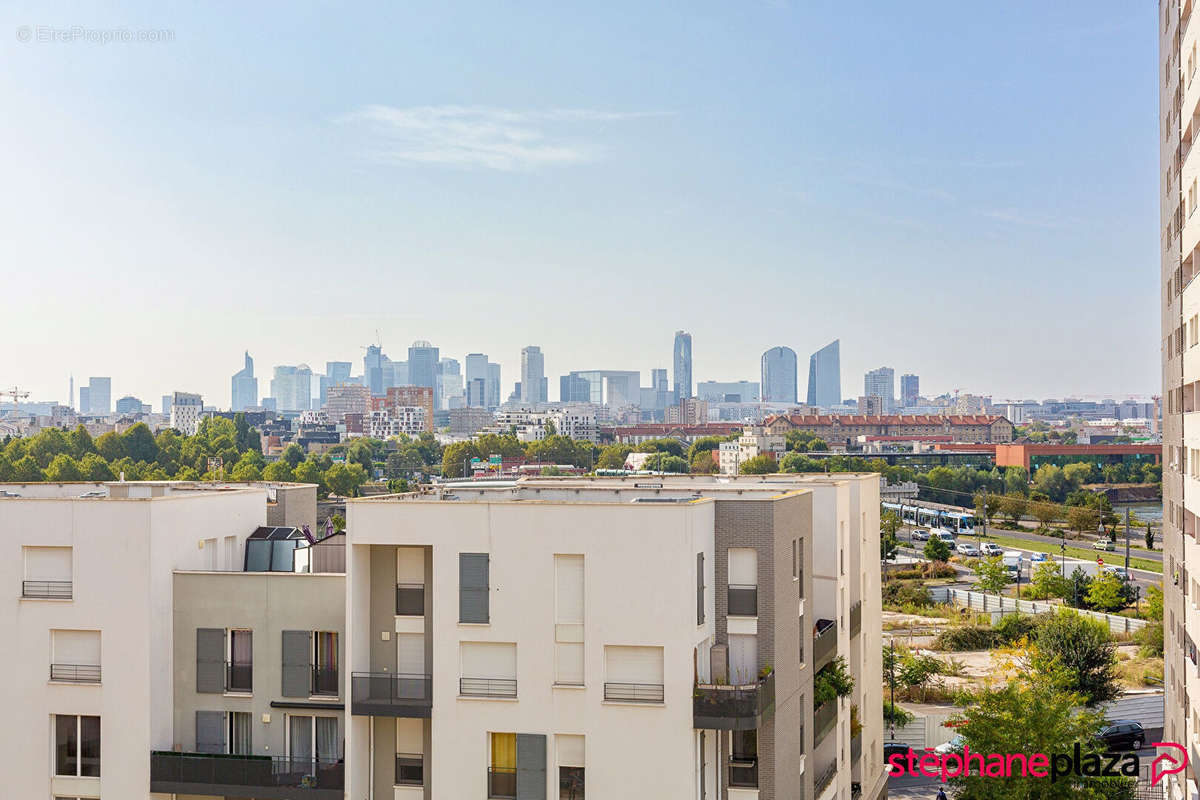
(325, 663)
(502, 772)
(410, 742)
(742, 597)
(47, 573)
(77, 746)
(238, 733)
(570, 753)
(743, 758)
(489, 669)
(473, 601)
(568, 618)
(699, 588)
(239, 676)
(633, 674)
(312, 738)
(410, 581)
(75, 656)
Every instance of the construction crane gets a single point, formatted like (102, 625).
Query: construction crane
(17, 395)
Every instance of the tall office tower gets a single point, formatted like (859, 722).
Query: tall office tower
(166, 404)
(779, 375)
(477, 393)
(85, 400)
(574, 388)
(244, 389)
(373, 370)
(881, 383)
(449, 383)
(71, 393)
(423, 367)
(336, 373)
(910, 390)
(493, 385)
(683, 365)
(292, 388)
(475, 367)
(825, 376)
(533, 375)
(1180, 297)
(100, 395)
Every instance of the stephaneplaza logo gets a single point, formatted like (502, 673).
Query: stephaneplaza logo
(1039, 765)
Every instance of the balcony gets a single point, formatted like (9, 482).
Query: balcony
(246, 776)
(824, 778)
(742, 601)
(410, 599)
(324, 682)
(824, 720)
(487, 687)
(634, 692)
(46, 590)
(743, 772)
(75, 673)
(733, 708)
(824, 643)
(502, 782)
(387, 694)
(856, 619)
(239, 677)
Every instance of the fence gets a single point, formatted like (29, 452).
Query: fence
(978, 601)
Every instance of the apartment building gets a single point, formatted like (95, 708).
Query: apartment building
(89, 574)
(187, 409)
(614, 637)
(1179, 118)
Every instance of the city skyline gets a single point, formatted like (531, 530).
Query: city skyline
(746, 170)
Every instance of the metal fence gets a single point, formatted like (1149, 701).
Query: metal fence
(979, 601)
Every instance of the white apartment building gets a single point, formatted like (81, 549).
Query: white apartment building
(1179, 118)
(614, 638)
(187, 410)
(89, 574)
(397, 420)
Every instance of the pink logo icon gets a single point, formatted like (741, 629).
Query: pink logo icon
(1167, 763)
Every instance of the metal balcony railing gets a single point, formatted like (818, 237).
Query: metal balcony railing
(47, 590)
(634, 692)
(487, 687)
(245, 776)
(824, 643)
(733, 708)
(742, 601)
(410, 769)
(239, 677)
(75, 673)
(502, 782)
(856, 619)
(325, 681)
(824, 778)
(389, 694)
(410, 599)
(824, 720)
(743, 772)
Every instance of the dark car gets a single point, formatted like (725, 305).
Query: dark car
(1123, 734)
(895, 749)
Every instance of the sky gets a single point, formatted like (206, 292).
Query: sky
(971, 197)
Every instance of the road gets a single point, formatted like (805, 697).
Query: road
(1149, 555)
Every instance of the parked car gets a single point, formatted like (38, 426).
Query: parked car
(919, 534)
(1120, 572)
(1123, 734)
(1037, 558)
(967, 549)
(991, 549)
(955, 745)
(946, 536)
(894, 749)
(1104, 544)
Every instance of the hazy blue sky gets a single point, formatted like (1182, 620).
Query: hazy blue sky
(968, 192)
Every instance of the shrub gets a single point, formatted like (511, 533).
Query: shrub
(895, 715)
(897, 593)
(1014, 627)
(832, 682)
(1151, 640)
(968, 637)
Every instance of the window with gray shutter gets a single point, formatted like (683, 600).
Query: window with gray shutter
(699, 588)
(531, 766)
(473, 587)
(297, 664)
(210, 660)
(210, 731)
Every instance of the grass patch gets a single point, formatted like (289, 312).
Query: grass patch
(1084, 554)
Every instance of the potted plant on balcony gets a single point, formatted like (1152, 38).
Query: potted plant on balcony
(832, 682)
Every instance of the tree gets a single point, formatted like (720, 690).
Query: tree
(1047, 582)
(1154, 602)
(993, 576)
(140, 444)
(759, 465)
(293, 454)
(890, 522)
(1078, 474)
(1107, 592)
(1051, 481)
(613, 456)
(665, 462)
(798, 462)
(889, 545)
(672, 446)
(111, 446)
(1080, 583)
(95, 468)
(81, 442)
(1082, 519)
(246, 471)
(309, 472)
(936, 549)
(344, 479)
(455, 458)
(1079, 655)
(1016, 481)
(62, 469)
(1014, 506)
(26, 470)
(278, 471)
(1149, 537)
(704, 463)
(915, 672)
(1044, 512)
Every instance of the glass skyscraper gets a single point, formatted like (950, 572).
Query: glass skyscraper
(779, 375)
(825, 376)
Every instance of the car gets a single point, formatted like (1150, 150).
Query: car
(991, 549)
(919, 534)
(1037, 558)
(1104, 544)
(1123, 734)
(894, 749)
(967, 549)
(946, 536)
(955, 745)
(1120, 572)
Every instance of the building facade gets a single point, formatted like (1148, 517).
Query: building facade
(682, 360)
(407, 396)
(728, 391)
(187, 409)
(844, 430)
(825, 376)
(533, 376)
(346, 398)
(243, 390)
(910, 390)
(99, 397)
(779, 375)
(881, 382)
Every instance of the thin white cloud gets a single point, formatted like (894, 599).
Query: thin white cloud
(481, 136)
